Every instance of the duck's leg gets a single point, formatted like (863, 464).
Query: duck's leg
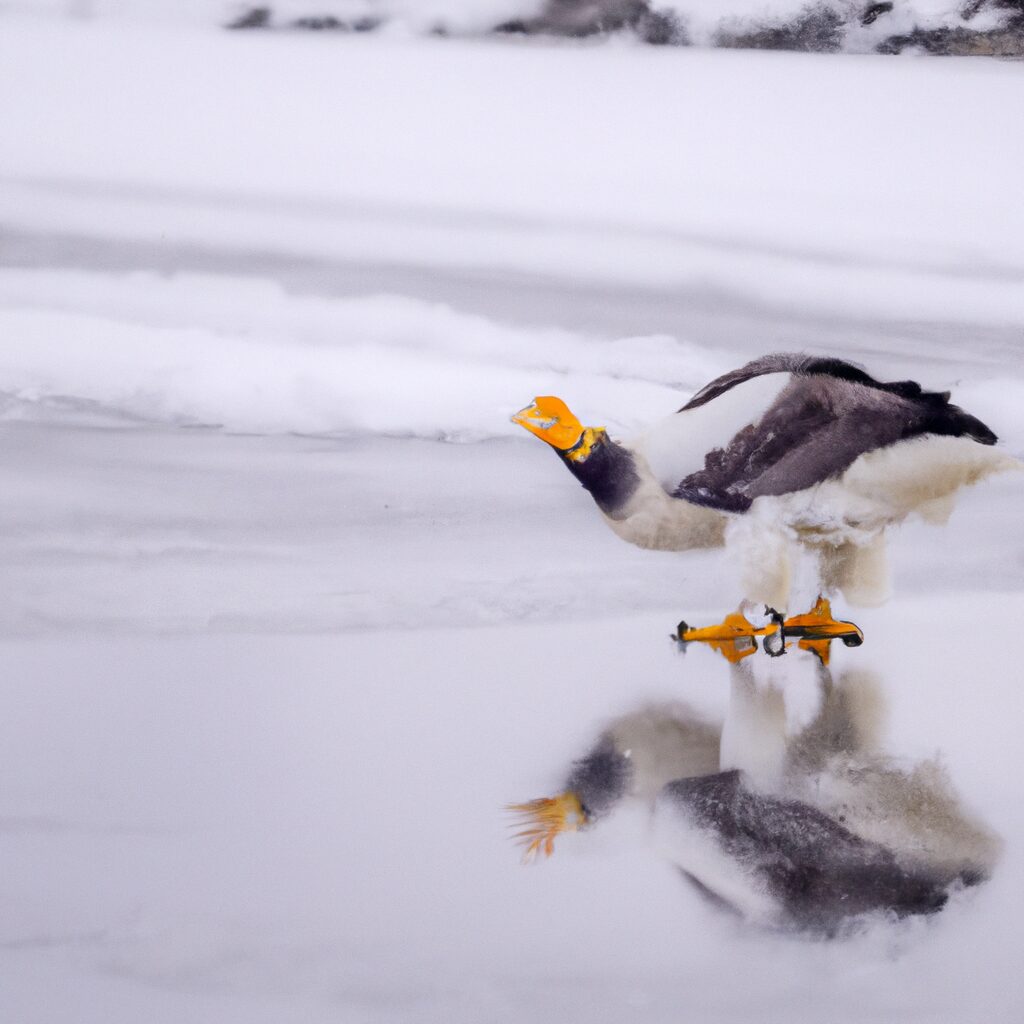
(764, 556)
(859, 571)
(735, 637)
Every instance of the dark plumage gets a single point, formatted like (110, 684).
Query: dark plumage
(601, 778)
(828, 415)
(609, 474)
(817, 870)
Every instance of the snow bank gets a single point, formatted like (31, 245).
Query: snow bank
(247, 356)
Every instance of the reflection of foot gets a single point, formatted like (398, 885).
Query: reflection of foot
(735, 637)
(544, 819)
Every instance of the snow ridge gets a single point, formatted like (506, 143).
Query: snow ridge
(245, 355)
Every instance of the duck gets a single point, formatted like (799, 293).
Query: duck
(809, 829)
(790, 461)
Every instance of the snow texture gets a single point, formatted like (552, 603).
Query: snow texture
(275, 655)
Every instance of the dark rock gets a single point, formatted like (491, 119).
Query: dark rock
(263, 17)
(1016, 22)
(971, 8)
(254, 17)
(959, 42)
(872, 12)
(661, 28)
(578, 19)
(815, 31)
(329, 23)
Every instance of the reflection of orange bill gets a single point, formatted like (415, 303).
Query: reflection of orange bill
(735, 636)
(542, 821)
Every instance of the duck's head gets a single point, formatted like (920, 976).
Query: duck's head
(604, 467)
(551, 420)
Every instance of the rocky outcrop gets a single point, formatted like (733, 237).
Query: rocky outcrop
(265, 17)
(818, 30)
(582, 18)
(958, 42)
(971, 28)
(987, 28)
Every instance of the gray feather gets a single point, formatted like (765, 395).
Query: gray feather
(829, 415)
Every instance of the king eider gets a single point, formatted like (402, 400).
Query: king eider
(788, 453)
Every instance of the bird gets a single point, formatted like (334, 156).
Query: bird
(804, 830)
(789, 457)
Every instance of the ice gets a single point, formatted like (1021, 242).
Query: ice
(276, 653)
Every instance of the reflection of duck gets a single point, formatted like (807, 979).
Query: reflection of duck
(804, 829)
(788, 448)
(633, 758)
(834, 764)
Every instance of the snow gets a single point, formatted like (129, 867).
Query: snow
(759, 175)
(276, 655)
(246, 355)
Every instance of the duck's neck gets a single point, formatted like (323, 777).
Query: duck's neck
(638, 508)
(607, 470)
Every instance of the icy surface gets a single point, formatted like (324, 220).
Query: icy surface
(276, 654)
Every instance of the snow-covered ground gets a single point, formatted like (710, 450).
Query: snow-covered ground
(291, 612)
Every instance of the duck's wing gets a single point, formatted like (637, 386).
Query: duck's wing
(827, 414)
